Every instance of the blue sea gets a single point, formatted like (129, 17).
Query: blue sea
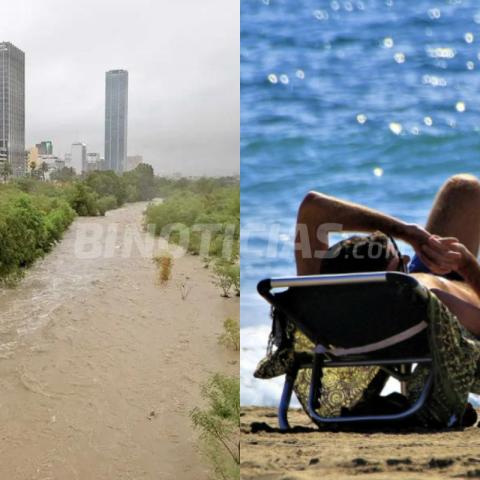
(374, 101)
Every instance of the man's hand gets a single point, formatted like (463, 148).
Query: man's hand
(440, 255)
(445, 255)
(465, 264)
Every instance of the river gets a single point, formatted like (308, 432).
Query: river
(100, 365)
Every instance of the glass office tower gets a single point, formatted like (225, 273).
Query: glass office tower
(116, 116)
(12, 108)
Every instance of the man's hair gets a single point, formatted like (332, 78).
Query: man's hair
(358, 254)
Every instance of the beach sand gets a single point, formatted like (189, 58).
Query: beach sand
(100, 365)
(310, 454)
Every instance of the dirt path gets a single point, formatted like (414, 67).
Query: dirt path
(100, 366)
(268, 454)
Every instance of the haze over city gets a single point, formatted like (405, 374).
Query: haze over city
(183, 89)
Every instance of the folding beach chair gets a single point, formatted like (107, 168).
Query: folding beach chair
(359, 319)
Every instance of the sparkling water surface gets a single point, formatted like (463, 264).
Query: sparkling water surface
(374, 101)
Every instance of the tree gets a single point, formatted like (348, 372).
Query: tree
(142, 179)
(82, 199)
(65, 174)
(107, 183)
(32, 165)
(219, 425)
(5, 170)
(43, 169)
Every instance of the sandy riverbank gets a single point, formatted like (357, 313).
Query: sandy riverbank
(99, 366)
(310, 454)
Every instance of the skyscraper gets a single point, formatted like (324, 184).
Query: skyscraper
(45, 148)
(79, 157)
(116, 117)
(12, 107)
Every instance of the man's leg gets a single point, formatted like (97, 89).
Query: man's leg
(456, 211)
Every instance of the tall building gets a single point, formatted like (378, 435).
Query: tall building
(78, 158)
(12, 107)
(95, 162)
(116, 118)
(45, 148)
(93, 158)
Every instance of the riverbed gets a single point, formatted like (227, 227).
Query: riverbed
(100, 364)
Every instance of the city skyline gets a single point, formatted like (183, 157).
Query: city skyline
(184, 91)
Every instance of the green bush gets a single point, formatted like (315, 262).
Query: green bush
(28, 230)
(227, 276)
(231, 334)
(106, 203)
(57, 219)
(82, 199)
(108, 184)
(65, 174)
(219, 425)
(132, 193)
(140, 183)
(195, 207)
(26, 184)
(179, 209)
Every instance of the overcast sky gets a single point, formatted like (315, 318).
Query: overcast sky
(183, 63)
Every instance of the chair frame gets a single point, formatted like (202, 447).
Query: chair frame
(399, 368)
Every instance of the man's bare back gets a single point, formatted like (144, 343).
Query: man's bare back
(453, 287)
(458, 297)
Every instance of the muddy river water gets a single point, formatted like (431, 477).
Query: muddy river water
(100, 365)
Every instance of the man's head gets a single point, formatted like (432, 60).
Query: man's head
(372, 253)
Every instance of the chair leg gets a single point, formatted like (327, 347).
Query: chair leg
(316, 382)
(285, 400)
(404, 369)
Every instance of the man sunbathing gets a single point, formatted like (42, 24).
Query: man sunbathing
(446, 250)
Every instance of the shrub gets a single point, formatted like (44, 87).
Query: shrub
(179, 209)
(132, 193)
(164, 263)
(65, 174)
(26, 184)
(231, 335)
(107, 184)
(219, 425)
(58, 219)
(82, 199)
(193, 207)
(141, 183)
(28, 230)
(106, 203)
(235, 273)
(227, 275)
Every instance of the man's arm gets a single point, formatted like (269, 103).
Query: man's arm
(321, 214)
